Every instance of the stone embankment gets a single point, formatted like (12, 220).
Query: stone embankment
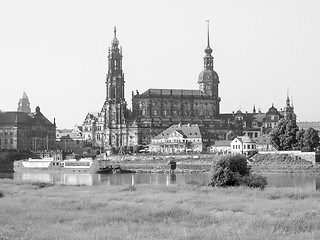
(160, 163)
(283, 163)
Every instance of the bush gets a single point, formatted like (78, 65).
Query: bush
(1, 194)
(254, 181)
(234, 171)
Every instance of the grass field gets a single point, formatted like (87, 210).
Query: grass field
(42, 211)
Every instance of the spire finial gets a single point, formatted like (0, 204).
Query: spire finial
(115, 32)
(288, 99)
(208, 34)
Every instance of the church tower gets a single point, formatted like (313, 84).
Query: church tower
(208, 79)
(24, 104)
(115, 106)
(288, 110)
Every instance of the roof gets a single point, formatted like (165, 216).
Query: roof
(245, 139)
(263, 139)
(222, 143)
(188, 131)
(174, 92)
(68, 133)
(23, 118)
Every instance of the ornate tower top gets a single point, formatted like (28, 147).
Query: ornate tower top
(208, 59)
(115, 41)
(208, 75)
(115, 76)
(24, 104)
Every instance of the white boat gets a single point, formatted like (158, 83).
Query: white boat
(82, 165)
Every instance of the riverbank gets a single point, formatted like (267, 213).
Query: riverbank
(45, 211)
(260, 163)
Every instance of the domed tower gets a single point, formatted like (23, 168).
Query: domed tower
(208, 79)
(24, 104)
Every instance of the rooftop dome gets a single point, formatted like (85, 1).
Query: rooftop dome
(272, 110)
(208, 76)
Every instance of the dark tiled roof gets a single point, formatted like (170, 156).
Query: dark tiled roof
(174, 92)
(23, 118)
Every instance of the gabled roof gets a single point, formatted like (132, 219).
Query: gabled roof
(188, 131)
(245, 139)
(68, 133)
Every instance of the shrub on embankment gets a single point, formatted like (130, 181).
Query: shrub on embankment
(234, 171)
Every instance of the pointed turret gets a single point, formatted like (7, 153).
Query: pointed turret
(24, 104)
(288, 110)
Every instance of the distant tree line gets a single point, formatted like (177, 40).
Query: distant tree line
(287, 136)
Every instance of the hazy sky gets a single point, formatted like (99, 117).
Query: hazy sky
(57, 52)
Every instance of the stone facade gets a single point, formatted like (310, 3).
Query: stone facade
(27, 131)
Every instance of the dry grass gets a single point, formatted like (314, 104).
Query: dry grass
(37, 211)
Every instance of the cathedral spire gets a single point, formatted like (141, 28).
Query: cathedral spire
(208, 35)
(208, 59)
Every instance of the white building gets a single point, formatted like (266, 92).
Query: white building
(243, 145)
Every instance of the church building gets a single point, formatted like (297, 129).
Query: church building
(155, 110)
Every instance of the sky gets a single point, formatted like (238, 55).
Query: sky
(56, 51)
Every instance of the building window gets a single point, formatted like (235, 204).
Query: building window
(11, 141)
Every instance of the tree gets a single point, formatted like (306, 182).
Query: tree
(300, 139)
(310, 139)
(284, 136)
(234, 171)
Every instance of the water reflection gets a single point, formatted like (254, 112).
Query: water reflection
(294, 181)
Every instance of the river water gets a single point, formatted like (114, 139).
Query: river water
(293, 181)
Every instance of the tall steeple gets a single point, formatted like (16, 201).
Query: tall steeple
(208, 59)
(114, 109)
(208, 79)
(115, 76)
